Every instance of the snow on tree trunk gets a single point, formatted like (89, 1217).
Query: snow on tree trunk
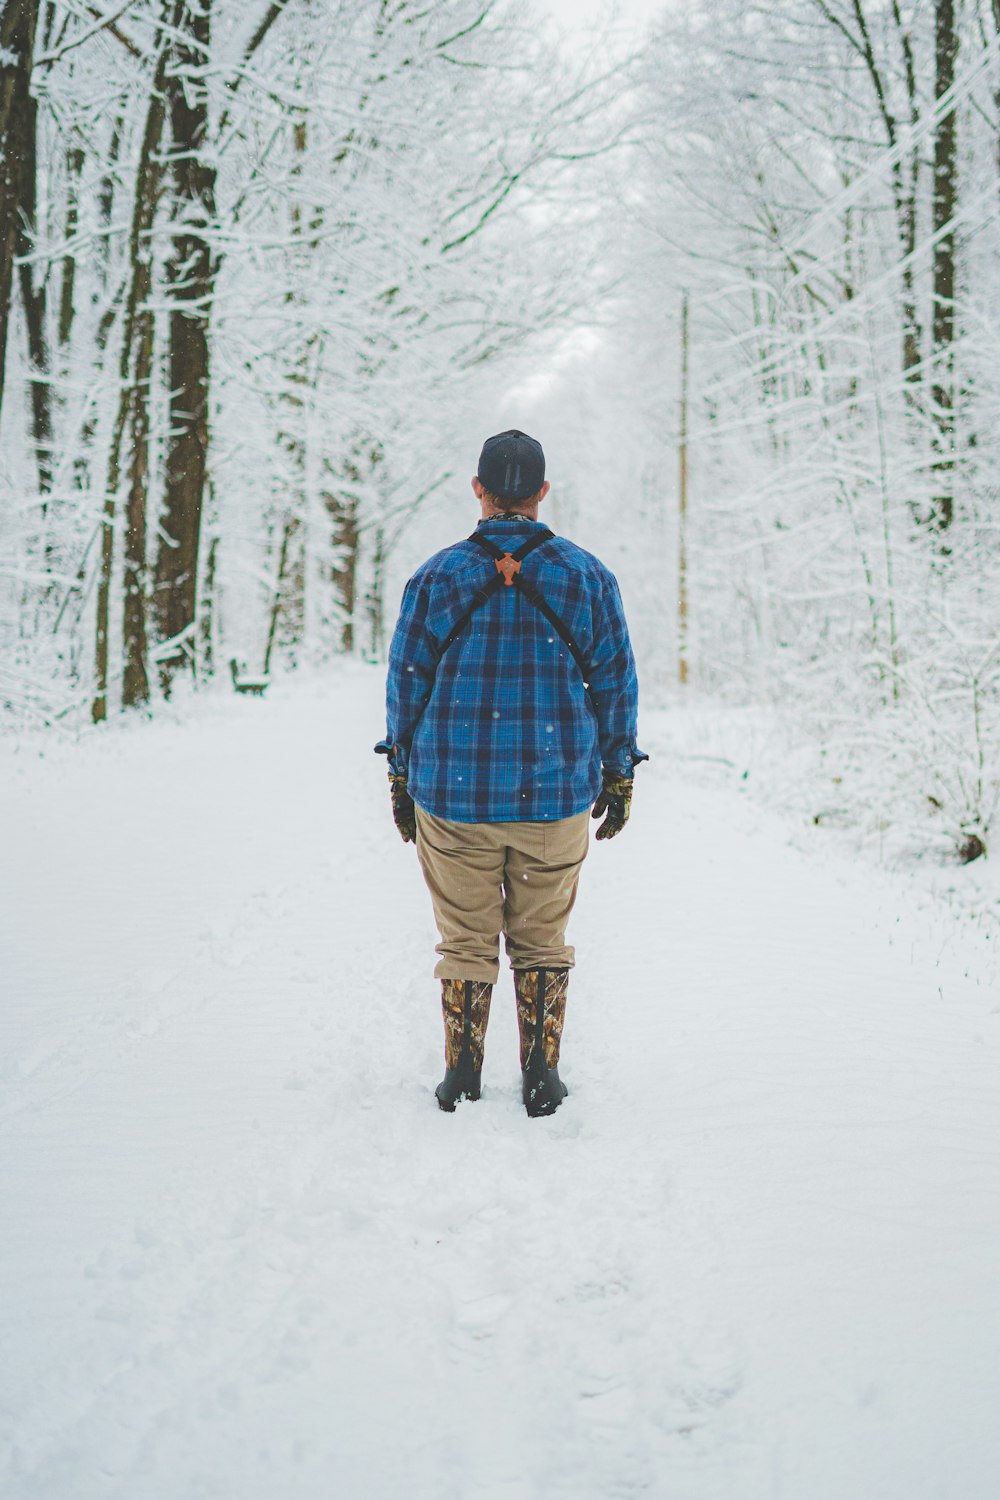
(191, 270)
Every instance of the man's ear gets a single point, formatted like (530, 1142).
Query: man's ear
(477, 488)
(544, 490)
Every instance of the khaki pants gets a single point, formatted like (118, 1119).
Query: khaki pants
(516, 878)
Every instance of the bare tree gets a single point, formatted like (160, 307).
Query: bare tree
(943, 206)
(190, 283)
(132, 417)
(18, 218)
(18, 23)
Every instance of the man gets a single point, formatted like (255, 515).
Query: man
(511, 709)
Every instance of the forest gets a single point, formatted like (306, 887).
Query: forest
(270, 272)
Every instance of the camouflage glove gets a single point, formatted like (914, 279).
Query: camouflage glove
(404, 814)
(615, 799)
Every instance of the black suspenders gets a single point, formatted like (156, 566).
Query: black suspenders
(508, 573)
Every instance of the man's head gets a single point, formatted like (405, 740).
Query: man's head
(511, 475)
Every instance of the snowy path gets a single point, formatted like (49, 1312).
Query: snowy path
(244, 1256)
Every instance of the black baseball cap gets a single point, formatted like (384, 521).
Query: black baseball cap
(512, 465)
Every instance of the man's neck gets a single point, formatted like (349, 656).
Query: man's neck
(530, 513)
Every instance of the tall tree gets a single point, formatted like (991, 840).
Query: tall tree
(192, 269)
(855, 21)
(132, 418)
(943, 206)
(18, 23)
(190, 284)
(18, 150)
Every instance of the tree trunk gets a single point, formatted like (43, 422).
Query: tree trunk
(191, 272)
(33, 296)
(18, 196)
(18, 22)
(147, 186)
(906, 187)
(289, 529)
(943, 271)
(135, 685)
(207, 612)
(340, 568)
(296, 399)
(106, 201)
(375, 600)
(74, 167)
(905, 172)
(100, 261)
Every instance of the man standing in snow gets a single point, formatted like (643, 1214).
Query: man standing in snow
(511, 709)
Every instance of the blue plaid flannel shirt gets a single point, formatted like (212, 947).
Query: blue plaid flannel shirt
(501, 729)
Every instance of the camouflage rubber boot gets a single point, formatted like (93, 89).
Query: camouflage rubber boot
(466, 1006)
(541, 1011)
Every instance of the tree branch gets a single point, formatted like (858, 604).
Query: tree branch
(274, 10)
(104, 23)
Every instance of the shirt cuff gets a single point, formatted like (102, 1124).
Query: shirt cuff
(624, 761)
(395, 755)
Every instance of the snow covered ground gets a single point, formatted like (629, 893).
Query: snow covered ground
(755, 1257)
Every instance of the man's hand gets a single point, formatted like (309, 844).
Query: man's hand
(404, 814)
(615, 799)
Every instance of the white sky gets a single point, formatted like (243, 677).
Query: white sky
(585, 12)
(581, 15)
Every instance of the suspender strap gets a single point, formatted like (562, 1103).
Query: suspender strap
(479, 598)
(508, 571)
(508, 564)
(497, 553)
(535, 597)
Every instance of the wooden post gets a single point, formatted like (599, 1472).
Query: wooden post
(682, 505)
